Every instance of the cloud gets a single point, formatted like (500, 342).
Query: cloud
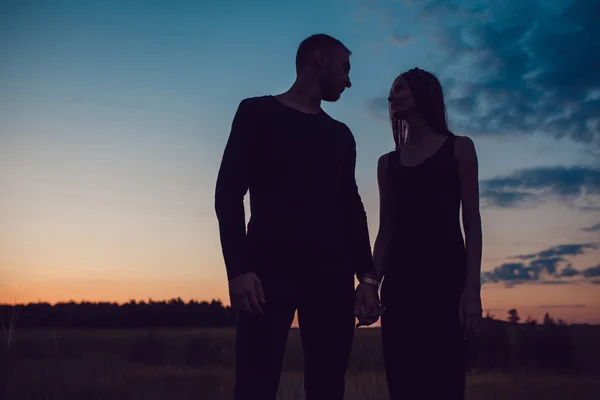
(569, 272)
(592, 272)
(549, 267)
(564, 306)
(524, 67)
(508, 272)
(559, 251)
(575, 186)
(378, 106)
(536, 71)
(401, 39)
(593, 228)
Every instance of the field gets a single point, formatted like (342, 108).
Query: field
(197, 364)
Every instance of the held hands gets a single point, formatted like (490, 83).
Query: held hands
(367, 306)
(246, 293)
(470, 309)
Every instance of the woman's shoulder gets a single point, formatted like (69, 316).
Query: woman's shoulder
(384, 163)
(464, 147)
(384, 160)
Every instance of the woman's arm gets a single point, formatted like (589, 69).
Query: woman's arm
(386, 219)
(469, 183)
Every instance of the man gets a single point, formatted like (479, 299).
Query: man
(307, 236)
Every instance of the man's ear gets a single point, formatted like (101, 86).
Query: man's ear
(320, 58)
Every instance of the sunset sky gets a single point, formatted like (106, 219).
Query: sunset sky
(114, 115)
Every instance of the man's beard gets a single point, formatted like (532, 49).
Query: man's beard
(329, 92)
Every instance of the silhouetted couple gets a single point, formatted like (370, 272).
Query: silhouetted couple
(307, 237)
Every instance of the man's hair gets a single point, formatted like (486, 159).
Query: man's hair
(315, 42)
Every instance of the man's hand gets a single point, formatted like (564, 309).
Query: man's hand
(246, 293)
(367, 304)
(470, 309)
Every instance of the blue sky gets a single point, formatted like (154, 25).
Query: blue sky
(114, 114)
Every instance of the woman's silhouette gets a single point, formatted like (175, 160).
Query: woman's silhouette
(431, 286)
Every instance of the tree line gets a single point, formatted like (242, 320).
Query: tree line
(174, 313)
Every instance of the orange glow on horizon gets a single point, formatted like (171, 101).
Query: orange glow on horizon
(533, 300)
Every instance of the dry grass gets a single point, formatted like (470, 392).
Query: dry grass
(94, 365)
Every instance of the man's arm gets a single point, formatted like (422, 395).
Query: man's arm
(232, 185)
(360, 245)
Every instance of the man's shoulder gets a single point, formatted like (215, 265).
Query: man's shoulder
(249, 106)
(341, 127)
(338, 124)
(255, 102)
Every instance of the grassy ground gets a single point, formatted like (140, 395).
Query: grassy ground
(197, 364)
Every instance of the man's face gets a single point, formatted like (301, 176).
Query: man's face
(334, 77)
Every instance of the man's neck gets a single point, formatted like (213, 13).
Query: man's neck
(303, 96)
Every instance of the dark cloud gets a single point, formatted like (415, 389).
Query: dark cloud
(547, 264)
(529, 66)
(537, 70)
(593, 228)
(533, 186)
(592, 272)
(544, 267)
(569, 272)
(562, 250)
(509, 272)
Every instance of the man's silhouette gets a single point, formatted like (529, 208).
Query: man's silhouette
(307, 236)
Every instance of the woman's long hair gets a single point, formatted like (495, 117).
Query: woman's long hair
(429, 100)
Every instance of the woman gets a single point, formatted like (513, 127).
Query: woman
(431, 286)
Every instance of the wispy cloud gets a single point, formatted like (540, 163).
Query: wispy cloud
(401, 39)
(561, 250)
(564, 306)
(575, 186)
(549, 266)
(593, 228)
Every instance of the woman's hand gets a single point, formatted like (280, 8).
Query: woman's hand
(470, 309)
(367, 305)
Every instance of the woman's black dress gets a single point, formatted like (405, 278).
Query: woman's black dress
(423, 342)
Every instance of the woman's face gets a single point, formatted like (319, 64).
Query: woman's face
(401, 101)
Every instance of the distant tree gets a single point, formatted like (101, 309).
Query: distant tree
(548, 321)
(513, 316)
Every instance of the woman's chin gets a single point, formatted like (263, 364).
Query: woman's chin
(404, 114)
(400, 114)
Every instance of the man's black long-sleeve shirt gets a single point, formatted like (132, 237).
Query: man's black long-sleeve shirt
(307, 218)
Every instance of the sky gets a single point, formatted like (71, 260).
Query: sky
(114, 116)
